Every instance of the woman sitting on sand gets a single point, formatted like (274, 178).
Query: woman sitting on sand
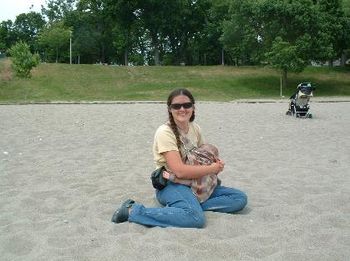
(182, 207)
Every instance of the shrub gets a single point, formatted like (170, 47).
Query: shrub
(23, 60)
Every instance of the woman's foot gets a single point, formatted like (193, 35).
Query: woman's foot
(122, 213)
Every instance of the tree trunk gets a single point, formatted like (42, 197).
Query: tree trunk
(155, 43)
(57, 55)
(284, 78)
(102, 54)
(343, 59)
(126, 61)
(222, 57)
(330, 63)
(156, 56)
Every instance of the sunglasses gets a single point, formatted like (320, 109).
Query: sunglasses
(177, 106)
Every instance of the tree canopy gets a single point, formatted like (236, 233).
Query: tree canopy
(288, 35)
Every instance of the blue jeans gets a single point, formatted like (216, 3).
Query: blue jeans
(182, 209)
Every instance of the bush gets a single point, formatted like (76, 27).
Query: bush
(23, 60)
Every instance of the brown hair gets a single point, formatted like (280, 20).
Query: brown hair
(173, 126)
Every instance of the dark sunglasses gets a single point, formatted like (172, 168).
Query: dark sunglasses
(177, 106)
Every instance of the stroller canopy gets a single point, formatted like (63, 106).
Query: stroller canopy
(306, 88)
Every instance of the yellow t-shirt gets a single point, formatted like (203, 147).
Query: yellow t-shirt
(165, 140)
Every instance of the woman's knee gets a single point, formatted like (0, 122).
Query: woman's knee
(238, 201)
(243, 201)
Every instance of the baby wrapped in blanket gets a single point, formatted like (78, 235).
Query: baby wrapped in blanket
(202, 187)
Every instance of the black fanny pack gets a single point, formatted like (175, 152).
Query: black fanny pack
(158, 181)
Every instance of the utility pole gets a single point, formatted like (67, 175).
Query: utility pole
(70, 48)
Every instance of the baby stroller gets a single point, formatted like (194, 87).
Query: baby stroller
(299, 101)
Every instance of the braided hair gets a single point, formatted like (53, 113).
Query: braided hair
(172, 124)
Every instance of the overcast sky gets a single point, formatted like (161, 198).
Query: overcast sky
(9, 9)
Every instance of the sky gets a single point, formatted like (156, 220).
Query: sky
(9, 9)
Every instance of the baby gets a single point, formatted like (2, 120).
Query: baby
(202, 187)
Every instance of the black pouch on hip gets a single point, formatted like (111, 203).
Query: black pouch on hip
(158, 181)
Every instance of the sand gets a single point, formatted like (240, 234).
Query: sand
(64, 168)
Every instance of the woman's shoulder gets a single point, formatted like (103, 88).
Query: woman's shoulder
(164, 128)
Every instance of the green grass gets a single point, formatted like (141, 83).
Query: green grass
(63, 82)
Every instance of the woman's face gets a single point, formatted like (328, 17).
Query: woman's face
(181, 115)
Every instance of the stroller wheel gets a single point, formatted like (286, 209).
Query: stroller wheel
(288, 113)
(309, 116)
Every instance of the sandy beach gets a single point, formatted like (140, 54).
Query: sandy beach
(65, 168)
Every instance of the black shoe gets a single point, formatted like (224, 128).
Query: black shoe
(122, 214)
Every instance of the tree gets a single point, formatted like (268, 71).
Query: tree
(23, 60)
(302, 32)
(55, 37)
(153, 18)
(7, 37)
(210, 46)
(286, 34)
(286, 58)
(94, 14)
(57, 10)
(242, 33)
(125, 15)
(337, 26)
(27, 27)
(85, 43)
(184, 22)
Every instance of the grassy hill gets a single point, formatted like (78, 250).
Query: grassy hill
(64, 82)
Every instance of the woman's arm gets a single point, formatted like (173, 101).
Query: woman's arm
(184, 171)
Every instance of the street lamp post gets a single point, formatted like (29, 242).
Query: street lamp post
(281, 85)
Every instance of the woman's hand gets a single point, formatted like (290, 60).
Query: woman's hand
(218, 166)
